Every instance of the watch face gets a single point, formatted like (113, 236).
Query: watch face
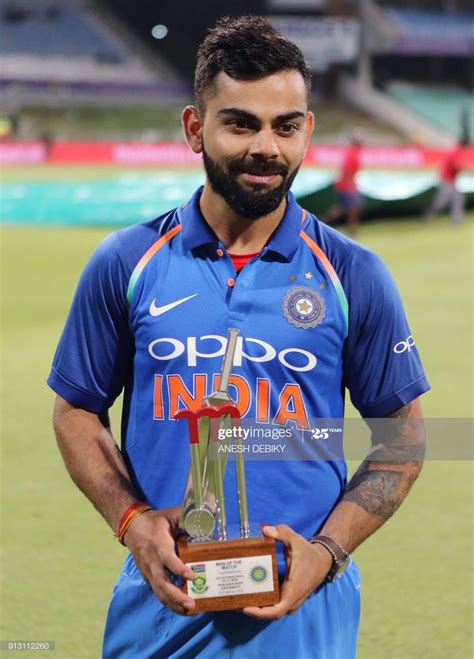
(342, 566)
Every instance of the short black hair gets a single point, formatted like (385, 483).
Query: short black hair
(245, 48)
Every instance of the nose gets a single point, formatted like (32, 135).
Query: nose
(264, 145)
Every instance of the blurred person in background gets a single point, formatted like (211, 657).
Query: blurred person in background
(240, 253)
(448, 194)
(47, 139)
(8, 126)
(348, 198)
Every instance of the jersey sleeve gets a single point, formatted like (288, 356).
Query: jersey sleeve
(94, 354)
(382, 367)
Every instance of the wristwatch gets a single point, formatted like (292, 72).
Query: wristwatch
(340, 558)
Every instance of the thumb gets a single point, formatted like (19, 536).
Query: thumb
(282, 532)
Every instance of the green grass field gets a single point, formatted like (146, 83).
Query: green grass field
(60, 559)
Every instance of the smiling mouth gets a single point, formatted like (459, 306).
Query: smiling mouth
(261, 177)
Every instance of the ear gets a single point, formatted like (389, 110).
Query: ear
(309, 127)
(192, 127)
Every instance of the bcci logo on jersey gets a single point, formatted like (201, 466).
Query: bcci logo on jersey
(303, 307)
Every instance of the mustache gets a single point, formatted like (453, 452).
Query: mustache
(257, 166)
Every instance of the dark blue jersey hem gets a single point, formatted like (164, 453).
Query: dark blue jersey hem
(73, 395)
(396, 400)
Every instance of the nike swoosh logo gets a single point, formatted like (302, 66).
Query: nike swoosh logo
(158, 311)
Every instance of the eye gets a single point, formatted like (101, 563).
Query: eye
(240, 124)
(287, 129)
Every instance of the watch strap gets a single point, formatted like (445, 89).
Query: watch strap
(338, 553)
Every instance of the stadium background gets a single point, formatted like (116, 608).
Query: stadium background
(90, 140)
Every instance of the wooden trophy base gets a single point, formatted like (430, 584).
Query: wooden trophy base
(231, 574)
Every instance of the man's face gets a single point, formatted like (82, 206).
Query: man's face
(254, 136)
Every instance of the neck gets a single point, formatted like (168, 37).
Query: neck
(239, 234)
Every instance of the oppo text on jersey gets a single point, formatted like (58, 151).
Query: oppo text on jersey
(165, 349)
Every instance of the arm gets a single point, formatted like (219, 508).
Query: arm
(383, 480)
(374, 493)
(96, 466)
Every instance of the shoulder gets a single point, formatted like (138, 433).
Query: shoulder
(364, 277)
(123, 249)
(347, 257)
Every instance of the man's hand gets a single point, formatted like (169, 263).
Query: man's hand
(96, 466)
(151, 539)
(306, 567)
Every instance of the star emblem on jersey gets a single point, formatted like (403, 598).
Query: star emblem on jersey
(303, 307)
(308, 275)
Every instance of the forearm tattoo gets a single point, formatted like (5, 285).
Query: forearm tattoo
(376, 491)
(385, 477)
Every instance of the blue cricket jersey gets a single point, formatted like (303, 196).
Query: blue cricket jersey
(317, 313)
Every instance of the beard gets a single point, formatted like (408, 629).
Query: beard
(249, 203)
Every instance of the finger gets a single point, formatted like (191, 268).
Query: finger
(174, 597)
(291, 595)
(286, 604)
(282, 532)
(266, 612)
(172, 561)
(169, 594)
(273, 612)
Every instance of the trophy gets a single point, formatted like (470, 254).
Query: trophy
(234, 565)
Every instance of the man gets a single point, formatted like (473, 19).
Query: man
(448, 193)
(349, 199)
(317, 313)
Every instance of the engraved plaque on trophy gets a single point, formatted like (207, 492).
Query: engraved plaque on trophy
(234, 565)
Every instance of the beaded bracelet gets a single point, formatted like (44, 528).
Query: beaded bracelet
(127, 518)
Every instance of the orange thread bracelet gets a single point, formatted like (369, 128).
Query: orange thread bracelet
(134, 510)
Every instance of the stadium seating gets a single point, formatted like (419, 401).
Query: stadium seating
(28, 28)
(431, 32)
(55, 42)
(447, 107)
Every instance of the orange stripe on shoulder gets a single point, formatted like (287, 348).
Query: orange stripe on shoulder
(160, 242)
(317, 250)
(142, 263)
